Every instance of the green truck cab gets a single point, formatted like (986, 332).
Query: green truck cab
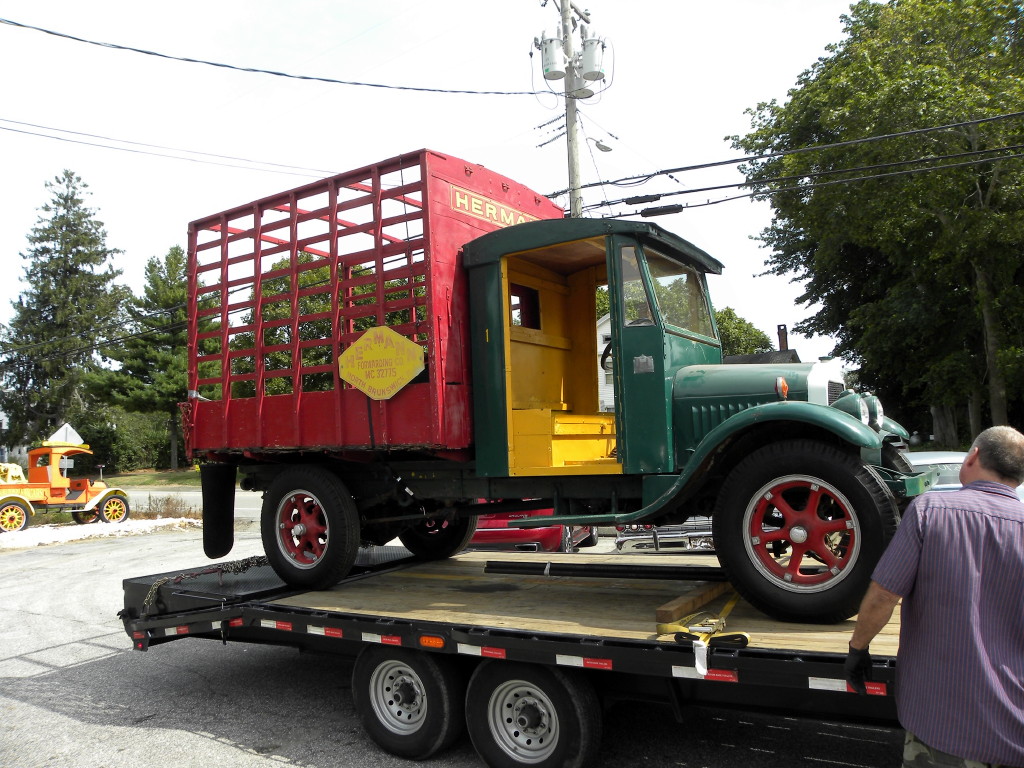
(803, 478)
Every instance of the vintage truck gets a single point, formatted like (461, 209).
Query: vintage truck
(48, 489)
(395, 350)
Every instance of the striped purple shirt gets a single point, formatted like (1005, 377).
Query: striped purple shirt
(957, 560)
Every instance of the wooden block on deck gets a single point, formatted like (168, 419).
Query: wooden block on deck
(674, 610)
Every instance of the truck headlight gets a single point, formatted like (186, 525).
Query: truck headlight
(876, 416)
(853, 404)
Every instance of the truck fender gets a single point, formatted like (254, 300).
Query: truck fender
(841, 424)
(218, 508)
(6, 497)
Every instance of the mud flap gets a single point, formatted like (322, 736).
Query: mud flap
(218, 508)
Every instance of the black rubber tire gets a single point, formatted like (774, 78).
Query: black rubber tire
(14, 516)
(893, 458)
(114, 509)
(592, 538)
(411, 703)
(324, 549)
(759, 520)
(86, 516)
(526, 714)
(438, 538)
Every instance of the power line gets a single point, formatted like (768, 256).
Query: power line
(641, 179)
(808, 187)
(818, 174)
(221, 65)
(319, 171)
(155, 154)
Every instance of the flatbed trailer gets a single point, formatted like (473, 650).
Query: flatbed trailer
(522, 650)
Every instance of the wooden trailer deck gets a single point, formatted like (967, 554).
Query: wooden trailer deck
(458, 591)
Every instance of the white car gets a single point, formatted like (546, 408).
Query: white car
(948, 463)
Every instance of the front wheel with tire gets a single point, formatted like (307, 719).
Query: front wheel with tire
(114, 509)
(13, 516)
(310, 528)
(526, 714)
(799, 526)
(409, 702)
(438, 538)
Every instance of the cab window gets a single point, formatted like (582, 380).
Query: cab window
(679, 292)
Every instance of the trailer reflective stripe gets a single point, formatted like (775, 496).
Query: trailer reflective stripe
(325, 631)
(583, 661)
(486, 651)
(284, 626)
(719, 675)
(835, 684)
(369, 637)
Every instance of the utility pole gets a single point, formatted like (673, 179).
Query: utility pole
(576, 70)
(571, 141)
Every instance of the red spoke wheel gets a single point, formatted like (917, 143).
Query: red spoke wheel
(438, 538)
(310, 528)
(13, 515)
(799, 526)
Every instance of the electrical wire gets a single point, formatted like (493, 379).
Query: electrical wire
(642, 179)
(808, 187)
(256, 70)
(319, 171)
(818, 174)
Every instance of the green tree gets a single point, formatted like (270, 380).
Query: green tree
(152, 353)
(914, 272)
(70, 303)
(739, 336)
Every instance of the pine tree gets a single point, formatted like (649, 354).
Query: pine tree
(152, 377)
(70, 303)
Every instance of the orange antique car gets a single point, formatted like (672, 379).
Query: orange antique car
(48, 490)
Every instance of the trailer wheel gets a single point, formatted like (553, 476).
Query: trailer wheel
(410, 702)
(524, 714)
(438, 538)
(115, 509)
(13, 516)
(799, 526)
(310, 528)
(85, 516)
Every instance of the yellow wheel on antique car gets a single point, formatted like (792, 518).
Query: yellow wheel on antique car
(13, 516)
(114, 509)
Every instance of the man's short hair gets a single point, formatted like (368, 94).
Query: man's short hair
(1001, 450)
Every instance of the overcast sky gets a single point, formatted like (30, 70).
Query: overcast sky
(680, 74)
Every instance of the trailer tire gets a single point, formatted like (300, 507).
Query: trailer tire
(812, 499)
(310, 528)
(526, 714)
(409, 702)
(438, 538)
(114, 509)
(14, 516)
(86, 516)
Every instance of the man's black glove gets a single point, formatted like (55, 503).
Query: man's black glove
(858, 669)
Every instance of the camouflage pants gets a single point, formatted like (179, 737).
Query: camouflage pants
(917, 754)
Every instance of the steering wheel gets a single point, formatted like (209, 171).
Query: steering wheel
(605, 356)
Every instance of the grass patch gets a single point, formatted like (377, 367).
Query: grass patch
(155, 478)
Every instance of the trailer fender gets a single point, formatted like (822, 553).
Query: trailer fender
(218, 482)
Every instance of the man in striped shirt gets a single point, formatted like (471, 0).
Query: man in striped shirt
(957, 562)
